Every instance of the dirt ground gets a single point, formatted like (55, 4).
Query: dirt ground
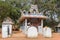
(21, 36)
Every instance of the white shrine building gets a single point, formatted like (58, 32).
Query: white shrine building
(32, 18)
(7, 27)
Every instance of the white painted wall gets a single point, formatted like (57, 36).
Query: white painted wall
(32, 32)
(47, 32)
(5, 30)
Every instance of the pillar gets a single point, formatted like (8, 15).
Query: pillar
(42, 22)
(25, 25)
(42, 25)
(40, 28)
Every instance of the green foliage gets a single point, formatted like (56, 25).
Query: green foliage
(49, 5)
(11, 8)
(7, 10)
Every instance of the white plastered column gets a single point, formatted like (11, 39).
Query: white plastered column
(42, 22)
(40, 28)
(42, 25)
(25, 26)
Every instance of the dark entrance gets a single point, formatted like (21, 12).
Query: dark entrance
(34, 21)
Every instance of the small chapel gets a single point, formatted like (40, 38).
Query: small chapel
(32, 18)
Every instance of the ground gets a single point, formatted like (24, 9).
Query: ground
(21, 36)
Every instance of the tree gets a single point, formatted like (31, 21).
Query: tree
(12, 8)
(7, 10)
(50, 8)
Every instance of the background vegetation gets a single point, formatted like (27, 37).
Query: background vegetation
(50, 8)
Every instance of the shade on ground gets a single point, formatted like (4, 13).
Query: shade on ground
(21, 36)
